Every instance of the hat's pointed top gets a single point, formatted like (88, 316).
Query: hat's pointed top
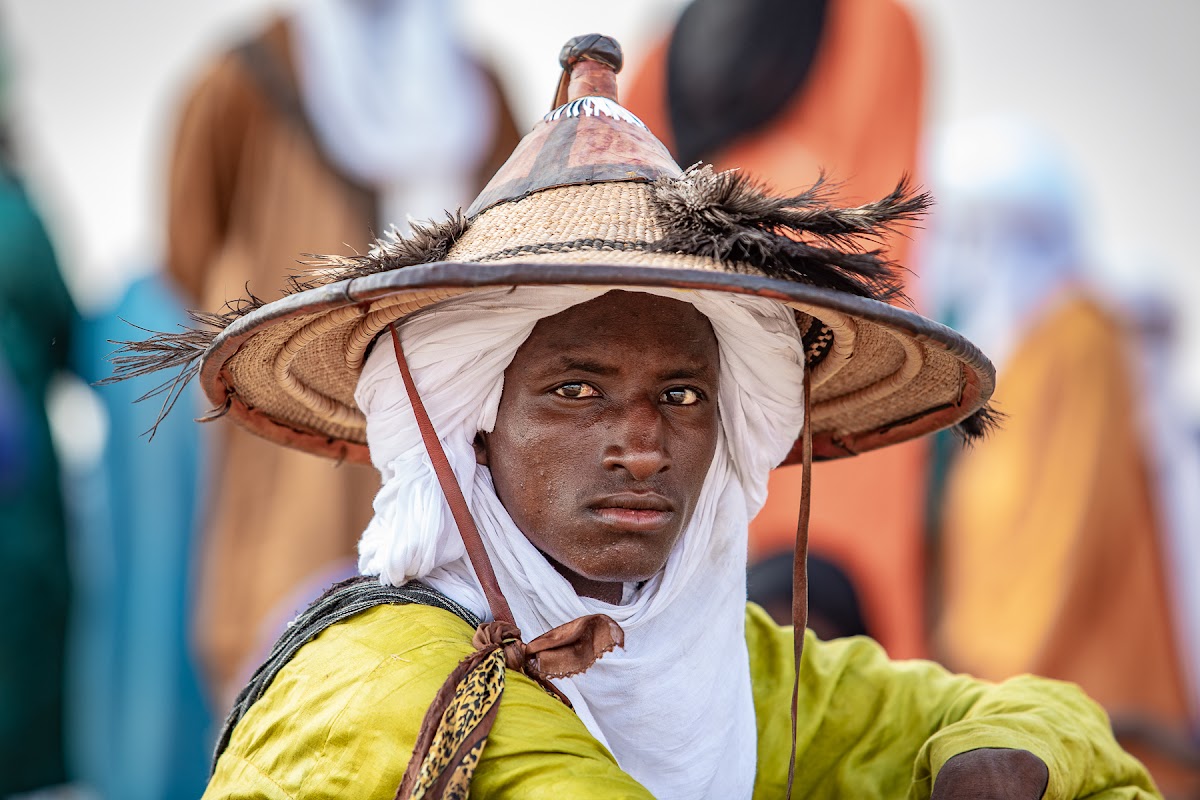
(587, 138)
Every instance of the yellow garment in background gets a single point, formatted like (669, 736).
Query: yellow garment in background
(341, 720)
(1052, 559)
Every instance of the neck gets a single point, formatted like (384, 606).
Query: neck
(604, 591)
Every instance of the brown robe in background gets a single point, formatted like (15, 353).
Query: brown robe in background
(250, 192)
(859, 117)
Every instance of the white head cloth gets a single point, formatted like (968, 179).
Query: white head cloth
(394, 100)
(674, 706)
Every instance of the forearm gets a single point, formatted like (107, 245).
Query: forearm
(870, 723)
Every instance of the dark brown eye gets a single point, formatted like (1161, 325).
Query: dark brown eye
(578, 389)
(682, 396)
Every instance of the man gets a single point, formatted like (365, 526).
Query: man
(574, 400)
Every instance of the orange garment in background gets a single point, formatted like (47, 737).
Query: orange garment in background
(1052, 558)
(858, 117)
(250, 192)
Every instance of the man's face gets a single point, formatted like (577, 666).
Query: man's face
(604, 436)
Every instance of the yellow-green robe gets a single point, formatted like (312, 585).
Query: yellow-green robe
(341, 719)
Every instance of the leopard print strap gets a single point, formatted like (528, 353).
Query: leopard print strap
(452, 746)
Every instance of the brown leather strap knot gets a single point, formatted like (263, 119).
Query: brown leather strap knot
(559, 652)
(574, 646)
(507, 637)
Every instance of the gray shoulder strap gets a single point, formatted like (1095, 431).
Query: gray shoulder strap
(340, 602)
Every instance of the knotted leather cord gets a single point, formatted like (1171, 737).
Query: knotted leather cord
(456, 726)
(800, 566)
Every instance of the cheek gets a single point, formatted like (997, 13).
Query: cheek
(697, 447)
(532, 475)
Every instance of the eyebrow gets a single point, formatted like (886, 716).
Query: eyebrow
(683, 374)
(567, 363)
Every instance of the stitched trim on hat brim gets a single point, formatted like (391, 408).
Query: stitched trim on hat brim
(973, 394)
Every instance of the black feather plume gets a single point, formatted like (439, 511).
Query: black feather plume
(184, 349)
(979, 425)
(428, 242)
(162, 351)
(803, 237)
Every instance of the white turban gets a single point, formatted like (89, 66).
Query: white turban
(674, 706)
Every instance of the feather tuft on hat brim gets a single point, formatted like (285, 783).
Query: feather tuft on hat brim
(979, 425)
(804, 237)
(183, 350)
(428, 241)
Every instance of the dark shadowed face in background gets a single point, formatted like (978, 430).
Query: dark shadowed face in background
(605, 432)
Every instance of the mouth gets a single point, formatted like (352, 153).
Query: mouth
(637, 513)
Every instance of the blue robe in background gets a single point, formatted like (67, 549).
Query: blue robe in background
(140, 727)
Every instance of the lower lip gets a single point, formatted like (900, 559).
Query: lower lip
(634, 519)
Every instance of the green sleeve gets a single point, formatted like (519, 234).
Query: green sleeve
(872, 727)
(342, 718)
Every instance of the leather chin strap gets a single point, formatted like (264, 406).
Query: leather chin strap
(800, 566)
(566, 650)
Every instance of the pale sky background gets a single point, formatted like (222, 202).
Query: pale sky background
(95, 86)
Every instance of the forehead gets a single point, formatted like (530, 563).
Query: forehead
(626, 325)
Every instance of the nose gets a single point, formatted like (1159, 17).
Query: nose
(639, 440)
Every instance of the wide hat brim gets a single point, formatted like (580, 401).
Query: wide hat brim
(591, 198)
(288, 370)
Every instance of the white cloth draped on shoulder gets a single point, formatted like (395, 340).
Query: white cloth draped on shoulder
(675, 705)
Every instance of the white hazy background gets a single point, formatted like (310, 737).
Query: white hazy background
(95, 86)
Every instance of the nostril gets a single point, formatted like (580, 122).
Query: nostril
(639, 463)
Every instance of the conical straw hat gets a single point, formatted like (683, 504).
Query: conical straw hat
(591, 197)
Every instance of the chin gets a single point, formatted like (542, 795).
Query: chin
(624, 573)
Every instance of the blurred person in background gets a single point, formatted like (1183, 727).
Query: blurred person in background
(833, 606)
(302, 139)
(1052, 530)
(1173, 453)
(37, 319)
(140, 728)
(1174, 448)
(789, 89)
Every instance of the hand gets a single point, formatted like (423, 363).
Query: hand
(992, 773)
